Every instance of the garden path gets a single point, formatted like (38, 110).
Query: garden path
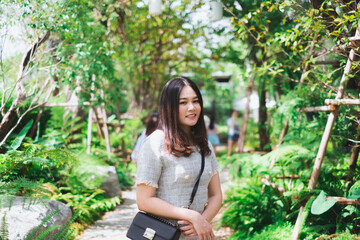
(115, 224)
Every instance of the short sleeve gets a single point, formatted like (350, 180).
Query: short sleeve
(149, 164)
(215, 166)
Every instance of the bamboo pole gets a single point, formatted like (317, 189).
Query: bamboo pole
(345, 201)
(106, 130)
(325, 138)
(342, 101)
(97, 122)
(66, 104)
(266, 182)
(319, 109)
(357, 38)
(329, 62)
(89, 131)
(288, 176)
(105, 125)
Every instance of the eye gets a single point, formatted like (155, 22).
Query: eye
(196, 101)
(183, 103)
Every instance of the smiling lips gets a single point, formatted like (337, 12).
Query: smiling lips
(191, 116)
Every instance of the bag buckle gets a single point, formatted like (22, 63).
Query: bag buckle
(149, 233)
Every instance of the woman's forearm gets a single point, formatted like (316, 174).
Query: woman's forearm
(214, 198)
(162, 208)
(213, 207)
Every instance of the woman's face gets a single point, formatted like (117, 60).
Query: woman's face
(189, 108)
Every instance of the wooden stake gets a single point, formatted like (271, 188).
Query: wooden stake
(325, 138)
(342, 101)
(319, 109)
(106, 130)
(97, 122)
(346, 201)
(88, 149)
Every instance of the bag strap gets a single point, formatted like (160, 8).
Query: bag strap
(197, 180)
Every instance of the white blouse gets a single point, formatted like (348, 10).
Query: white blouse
(174, 177)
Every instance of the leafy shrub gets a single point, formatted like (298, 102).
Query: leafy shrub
(278, 231)
(250, 207)
(90, 206)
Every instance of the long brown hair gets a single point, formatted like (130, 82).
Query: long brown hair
(176, 141)
(152, 123)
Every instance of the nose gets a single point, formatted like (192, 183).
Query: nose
(191, 106)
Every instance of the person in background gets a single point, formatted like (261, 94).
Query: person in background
(151, 125)
(169, 163)
(213, 133)
(234, 132)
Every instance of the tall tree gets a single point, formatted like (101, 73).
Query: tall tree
(260, 24)
(150, 49)
(74, 55)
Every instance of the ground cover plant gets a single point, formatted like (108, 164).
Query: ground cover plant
(275, 184)
(53, 168)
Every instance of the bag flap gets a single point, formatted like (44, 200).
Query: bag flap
(166, 231)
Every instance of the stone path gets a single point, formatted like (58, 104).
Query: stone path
(115, 224)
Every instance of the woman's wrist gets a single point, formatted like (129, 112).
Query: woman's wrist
(192, 215)
(208, 219)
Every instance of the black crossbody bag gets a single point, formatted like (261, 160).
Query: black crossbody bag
(147, 226)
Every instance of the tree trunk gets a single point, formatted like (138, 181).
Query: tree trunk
(7, 121)
(263, 135)
(283, 132)
(241, 141)
(10, 115)
(355, 153)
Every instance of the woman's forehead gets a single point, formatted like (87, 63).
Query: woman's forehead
(187, 92)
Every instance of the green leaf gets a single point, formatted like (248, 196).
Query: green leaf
(37, 132)
(18, 140)
(321, 205)
(355, 191)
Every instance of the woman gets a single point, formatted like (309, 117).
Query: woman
(234, 132)
(151, 125)
(213, 133)
(170, 161)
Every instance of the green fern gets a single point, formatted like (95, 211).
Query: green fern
(19, 138)
(65, 231)
(22, 185)
(46, 233)
(4, 234)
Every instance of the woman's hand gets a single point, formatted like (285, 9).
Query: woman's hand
(199, 226)
(187, 228)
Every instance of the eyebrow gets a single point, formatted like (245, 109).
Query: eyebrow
(190, 98)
